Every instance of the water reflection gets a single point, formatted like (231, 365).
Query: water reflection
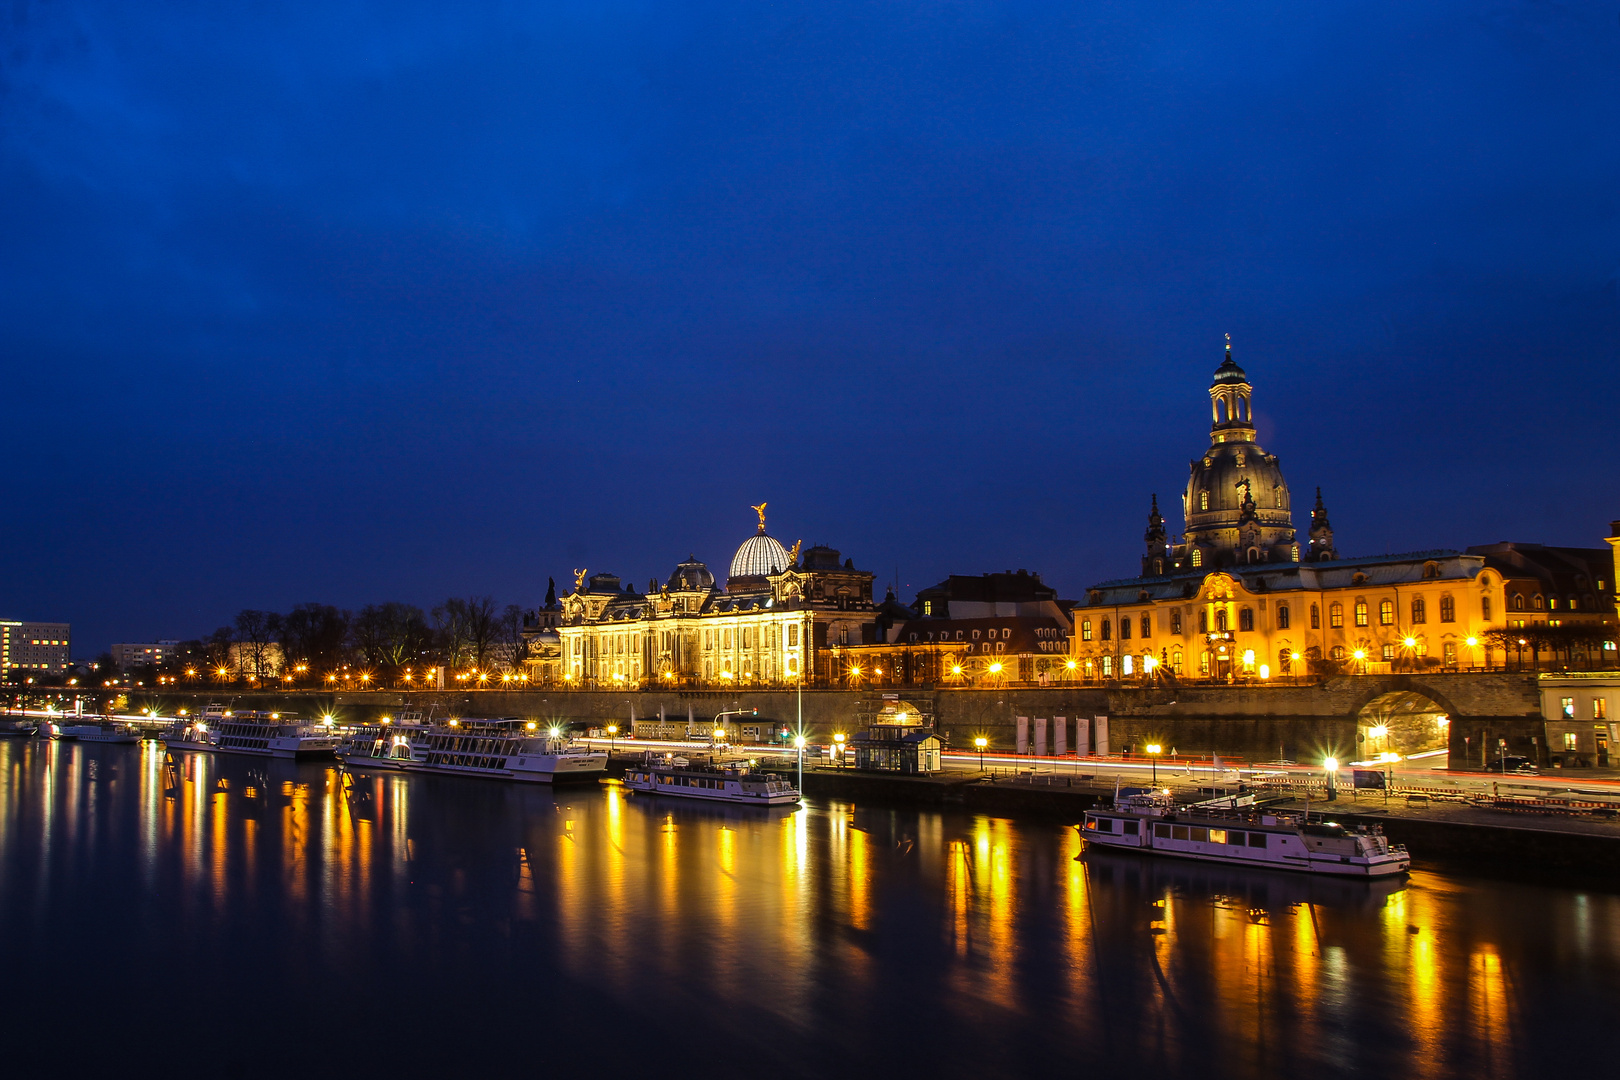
(899, 939)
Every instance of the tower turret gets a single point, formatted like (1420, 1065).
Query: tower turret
(1158, 543)
(1321, 533)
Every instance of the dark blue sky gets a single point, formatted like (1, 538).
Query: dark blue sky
(355, 302)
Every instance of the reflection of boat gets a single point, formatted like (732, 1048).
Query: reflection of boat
(505, 749)
(21, 729)
(98, 733)
(1235, 831)
(734, 782)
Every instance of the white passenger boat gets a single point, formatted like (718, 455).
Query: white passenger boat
(96, 733)
(258, 734)
(507, 748)
(1235, 831)
(733, 782)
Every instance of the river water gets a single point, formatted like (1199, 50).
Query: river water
(239, 917)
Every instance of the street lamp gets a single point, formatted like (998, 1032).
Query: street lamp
(613, 731)
(798, 741)
(1154, 750)
(1330, 766)
(839, 739)
(981, 742)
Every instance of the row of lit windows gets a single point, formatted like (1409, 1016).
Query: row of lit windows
(1361, 612)
(1600, 708)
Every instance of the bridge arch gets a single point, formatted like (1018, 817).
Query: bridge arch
(1403, 718)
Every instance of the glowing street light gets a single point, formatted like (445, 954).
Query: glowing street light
(613, 732)
(1154, 750)
(981, 742)
(798, 742)
(838, 739)
(1330, 766)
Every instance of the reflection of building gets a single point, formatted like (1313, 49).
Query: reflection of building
(1238, 596)
(775, 621)
(33, 646)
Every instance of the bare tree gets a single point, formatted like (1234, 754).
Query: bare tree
(255, 632)
(391, 634)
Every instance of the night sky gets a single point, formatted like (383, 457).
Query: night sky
(363, 302)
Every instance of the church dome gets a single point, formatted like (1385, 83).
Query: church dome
(759, 555)
(690, 576)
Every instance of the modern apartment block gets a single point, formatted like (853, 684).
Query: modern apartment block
(34, 646)
(129, 656)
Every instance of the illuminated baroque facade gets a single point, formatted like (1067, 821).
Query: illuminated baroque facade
(1240, 596)
(774, 623)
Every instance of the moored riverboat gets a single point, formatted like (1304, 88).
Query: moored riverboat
(257, 734)
(97, 733)
(1236, 832)
(504, 748)
(737, 782)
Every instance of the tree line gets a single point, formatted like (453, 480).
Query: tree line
(312, 641)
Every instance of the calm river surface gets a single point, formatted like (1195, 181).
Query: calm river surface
(239, 917)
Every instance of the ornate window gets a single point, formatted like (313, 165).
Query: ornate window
(1448, 608)
(1107, 633)
(1485, 608)
(1147, 625)
(1361, 613)
(1085, 629)
(1203, 621)
(1336, 615)
(1246, 619)
(1197, 557)
(1203, 501)
(1175, 622)
(1282, 616)
(1538, 603)
(1516, 602)
(1420, 610)
(1337, 653)
(1220, 621)
(1125, 628)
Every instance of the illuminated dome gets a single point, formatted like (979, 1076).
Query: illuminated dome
(760, 555)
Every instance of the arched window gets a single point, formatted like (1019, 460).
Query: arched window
(1386, 613)
(1285, 659)
(1516, 602)
(1198, 556)
(1338, 652)
(1147, 625)
(1175, 661)
(1175, 622)
(1282, 616)
(1538, 602)
(1107, 632)
(1085, 629)
(1336, 615)
(1220, 621)
(1203, 622)
(1448, 608)
(1246, 619)
(1125, 628)
(1361, 613)
(1485, 608)
(1203, 503)
(1316, 617)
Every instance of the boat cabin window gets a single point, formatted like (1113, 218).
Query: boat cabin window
(1200, 834)
(1257, 839)
(1161, 831)
(1217, 836)
(1178, 832)
(1130, 828)
(1105, 825)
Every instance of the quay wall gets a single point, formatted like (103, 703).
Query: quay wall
(1257, 722)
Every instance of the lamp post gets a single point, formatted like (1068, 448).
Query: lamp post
(1330, 766)
(839, 740)
(613, 731)
(798, 741)
(981, 742)
(1154, 750)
